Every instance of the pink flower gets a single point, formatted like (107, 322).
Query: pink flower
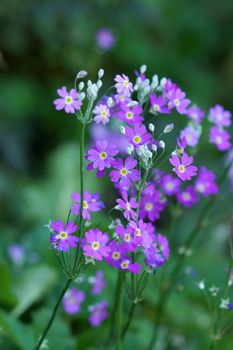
(125, 172)
(69, 101)
(63, 238)
(182, 167)
(137, 136)
(98, 313)
(219, 116)
(102, 114)
(91, 203)
(128, 206)
(187, 197)
(72, 300)
(131, 115)
(158, 104)
(123, 85)
(220, 138)
(101, 157)
(177, 99)
(195, 113)
(94, 244)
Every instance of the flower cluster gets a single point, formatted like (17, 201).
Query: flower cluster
(74, 297)
(129, 149)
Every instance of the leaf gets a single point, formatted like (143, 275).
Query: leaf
(58, 337)
(6, 293)
(32, 286)
(22, 335)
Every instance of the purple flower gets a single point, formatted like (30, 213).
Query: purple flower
(69, 101)
(125, 172)
(177, 99)
(127, 265)
(128, 206)
(72, 300)
(151, 203)
(117, 252)
(16, 253)
(191, 134)
(94, 244)
(195, 113)
(220, 138)
(170, 184)
(143, 233)
(158, 252)
(99, 283)
(101, 157)
(137, 136)
(102, 114)
(127, 237)
(105, 39)
(63, 238)
(123, 85)
(205, 183)
(91, 203)
(158, 104)
(187, 197)
(182, 143)
(182, 167)
(98, 313)
(219, 116)
(131, 115)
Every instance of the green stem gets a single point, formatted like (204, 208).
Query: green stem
(50, 322)
(178, 267)
(115, 307)
(131, 313)
(120, 306)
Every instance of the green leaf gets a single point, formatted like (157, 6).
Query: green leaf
(20, 334)
(34, 283)
(6, 293)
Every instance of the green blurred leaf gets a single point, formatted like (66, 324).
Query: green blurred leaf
(6, 293)
(20, 334)
(32, 286)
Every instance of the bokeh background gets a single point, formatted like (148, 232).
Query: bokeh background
(43, 44)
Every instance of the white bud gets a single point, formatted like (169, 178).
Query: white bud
(168, 128)
(82, 95)
(99, 83)
(162, 144)
(224, 303)
(82, 74)
(132, 103)
(151, 127)
(155, 80)
(122, 129)
(110, 102)
(143, 69)
(89, 83)
(92, 90)
(154, 147)
(100, 73)
(117, 207)
(81, 86)
(130, 149)
(163, 82)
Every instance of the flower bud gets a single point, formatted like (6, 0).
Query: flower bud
(100, 73)
(82, 74)
(151, 127)
(162, 144)
(168, 128)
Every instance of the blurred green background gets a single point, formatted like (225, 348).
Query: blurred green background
(43, 44)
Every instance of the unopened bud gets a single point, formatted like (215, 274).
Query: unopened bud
(82, 74)
(162, 144)
(151, 127)
(100, 73)
(168, 128)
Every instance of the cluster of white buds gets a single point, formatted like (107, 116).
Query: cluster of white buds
(93, 88)
(130, 149)
(214, 290)
(145, 155)
(224, 303)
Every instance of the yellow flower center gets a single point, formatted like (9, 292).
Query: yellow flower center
(104, 114)
(127, 237)
(103, 155)
(149, 206)
(124, 264)
(63, 235)
(85, 205)
(128, 206)
(137, 139)
(156, 107)
(176, 102)
(186, 196)
(68, 99)
(170, 186)
(116, 255)
(129, 115)
(181, 168)
(138, 232)
(126, 83)
(218, 140)
(124, 171)
(95, 245)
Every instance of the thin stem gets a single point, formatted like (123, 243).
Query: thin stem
(120, 306)
(131, 313)
(178, 267)
(50, 322)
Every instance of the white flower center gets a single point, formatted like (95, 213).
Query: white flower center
(63, 235)
(116, 255)
(181, 168)
(68, 100)
(129, 115)
(137, 139)
(95, 245)
(103, 155)
(156, 107)
(176, 102)
(149, 206)
(124, 171)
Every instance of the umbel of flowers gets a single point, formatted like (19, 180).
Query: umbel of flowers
(131, 151)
